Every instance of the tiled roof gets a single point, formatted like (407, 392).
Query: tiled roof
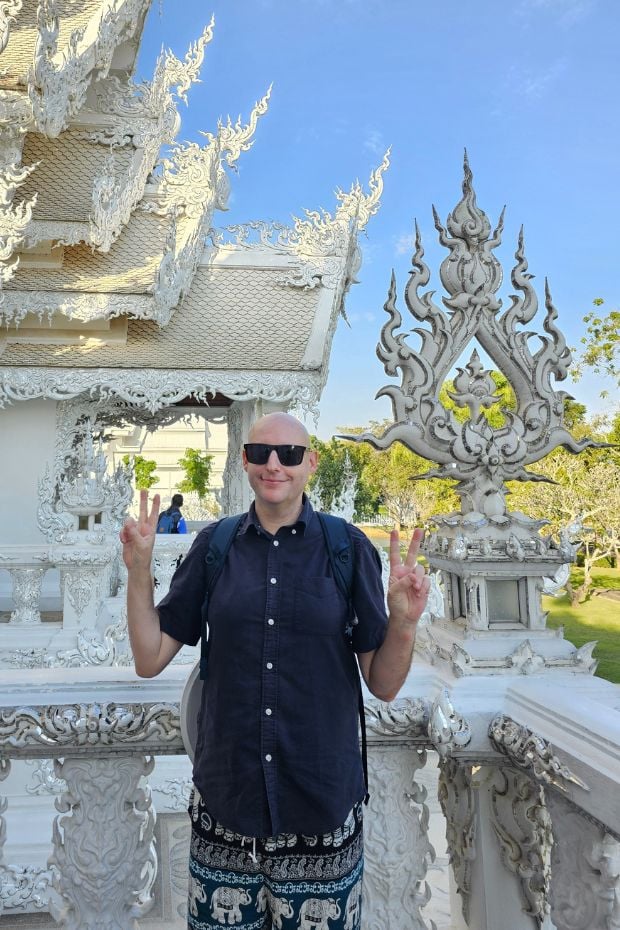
(233, 318)
(128, 268)
(64, 178)
(19, 53)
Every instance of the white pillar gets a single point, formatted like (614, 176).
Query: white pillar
(499, 838)
(103, 845)
(236, 493)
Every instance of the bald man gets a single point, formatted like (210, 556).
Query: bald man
(276, 809)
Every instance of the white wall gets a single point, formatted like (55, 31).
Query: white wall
(27, 435)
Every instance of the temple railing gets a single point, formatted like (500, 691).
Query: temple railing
(64, 603)
(528, 787)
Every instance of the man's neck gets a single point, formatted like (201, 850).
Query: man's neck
(272, 518)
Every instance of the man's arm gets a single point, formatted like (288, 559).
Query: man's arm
(152, 649)
(385, 669)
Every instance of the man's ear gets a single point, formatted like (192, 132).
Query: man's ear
(244, 460)
(313, 458)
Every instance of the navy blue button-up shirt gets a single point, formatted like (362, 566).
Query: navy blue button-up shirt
(278, 748)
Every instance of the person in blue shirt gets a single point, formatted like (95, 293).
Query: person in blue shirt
(276, 810)
(172, 520)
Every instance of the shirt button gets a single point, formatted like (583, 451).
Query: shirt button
(268, 757)
(271, 621)
(269, 665)
(273, 580)
(268, 711)
(276, 543)
(294, 532)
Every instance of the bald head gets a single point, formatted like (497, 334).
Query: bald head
(279, 427)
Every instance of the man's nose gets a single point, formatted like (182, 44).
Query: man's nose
(273, 462)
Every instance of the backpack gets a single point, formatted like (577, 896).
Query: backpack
(169, 521)
(341, 558)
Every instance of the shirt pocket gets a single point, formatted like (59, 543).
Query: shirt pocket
(319, 607)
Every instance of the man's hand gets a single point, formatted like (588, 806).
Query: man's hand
(138, 536)
(409, 584)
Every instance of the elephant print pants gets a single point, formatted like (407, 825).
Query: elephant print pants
(285, 882)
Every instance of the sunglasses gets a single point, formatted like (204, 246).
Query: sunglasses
(257, 453)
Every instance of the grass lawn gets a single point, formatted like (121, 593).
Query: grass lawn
(598, 618)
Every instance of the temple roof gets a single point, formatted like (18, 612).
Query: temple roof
(108, 258)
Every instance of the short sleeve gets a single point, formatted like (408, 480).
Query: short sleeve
(180, 611)
(368, 596)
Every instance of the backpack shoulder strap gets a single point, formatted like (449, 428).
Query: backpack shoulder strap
(341, 556)
(340, 550)
(220, 541)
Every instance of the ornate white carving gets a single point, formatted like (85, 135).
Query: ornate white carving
(14, 219)
(404, 717)
(108, 819)
(480, 458)
(149, 120)
(447, 729)
(585, 868)
(44, 779)
(531, 753)
(457, 803)
(91, 650)
(26, 594)
(325, 245)
(73, 304)
(178, 791)
(8, 12)
(397, 846)
(154, 389)
(522, 826)
(151, 728)
(81, 589)
(59, 78)
(23, 887)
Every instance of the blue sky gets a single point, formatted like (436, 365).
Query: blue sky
(530, 87)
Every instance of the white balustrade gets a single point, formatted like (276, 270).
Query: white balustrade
(529, 793)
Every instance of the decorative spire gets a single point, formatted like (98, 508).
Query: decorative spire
(473, 453)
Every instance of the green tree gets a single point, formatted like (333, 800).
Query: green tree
(197, 468)
(585, 489)
(143, 470)
(330, 473)
(601, 343)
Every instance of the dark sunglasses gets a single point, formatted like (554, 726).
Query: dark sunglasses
(257, 453)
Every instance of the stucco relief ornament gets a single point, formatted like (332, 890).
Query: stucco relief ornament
(326, 245)
(532, 753)
(15, 219)
(148, 118)
(59, 78)
(479, 457)
(447, 729)
(8, 13)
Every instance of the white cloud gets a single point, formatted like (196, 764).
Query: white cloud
(567, 12)
(405, 244)
(375, 142)
(535, 84)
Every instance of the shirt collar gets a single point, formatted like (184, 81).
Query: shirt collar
(302, 522)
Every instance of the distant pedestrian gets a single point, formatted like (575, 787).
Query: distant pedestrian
(172, 520)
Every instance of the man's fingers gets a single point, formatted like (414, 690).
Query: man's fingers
(144, 503)
(154, 514)
(395, 560)
(414, 548)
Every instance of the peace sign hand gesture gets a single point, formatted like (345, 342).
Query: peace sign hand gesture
(409, 584)
(138, 536)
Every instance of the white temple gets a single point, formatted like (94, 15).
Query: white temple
(123, 305)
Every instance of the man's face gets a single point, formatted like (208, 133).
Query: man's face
(273, 483)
